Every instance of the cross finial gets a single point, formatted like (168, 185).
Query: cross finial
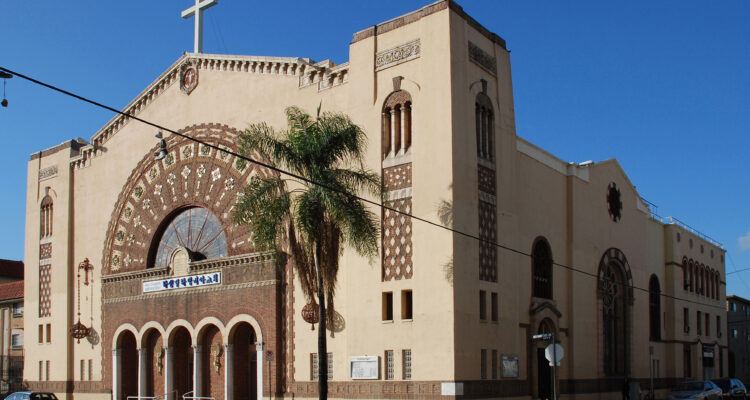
(197, 12)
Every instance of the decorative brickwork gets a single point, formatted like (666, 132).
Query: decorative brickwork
(487, 224)
(45, 251)
(397, 243)
(486, 180)
(487, 248)
(45, 279)
(190, 175)
(398, 177)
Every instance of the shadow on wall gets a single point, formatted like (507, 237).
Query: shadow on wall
(445, 214)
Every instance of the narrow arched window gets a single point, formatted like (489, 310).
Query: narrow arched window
(485, 128)
(397, 124)
(45, 218)
(542, 269)
(654, 308)
(692, 275)
(685, 276)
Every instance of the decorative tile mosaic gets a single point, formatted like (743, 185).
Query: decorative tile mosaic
(397, 241)
(45, 297)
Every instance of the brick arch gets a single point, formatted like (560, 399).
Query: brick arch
(191, 174)
(206, 322)
(176, 324)
(120, 330)
(144, 331)
(396, 124)
(238, 319)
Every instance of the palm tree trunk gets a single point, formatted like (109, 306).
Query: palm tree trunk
(322, 347)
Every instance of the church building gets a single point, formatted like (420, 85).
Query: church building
(139, 284)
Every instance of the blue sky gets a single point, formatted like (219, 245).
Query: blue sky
(662, 86)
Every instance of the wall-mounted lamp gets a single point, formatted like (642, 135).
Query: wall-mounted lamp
(162, 152)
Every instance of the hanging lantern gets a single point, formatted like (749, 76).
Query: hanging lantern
(310, 314)
(79, 331)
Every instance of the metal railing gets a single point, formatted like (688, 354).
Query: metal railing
(672, 220)
(191, 397)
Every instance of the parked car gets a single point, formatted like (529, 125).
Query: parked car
(31, 396)
(731, 388)
(696, 390)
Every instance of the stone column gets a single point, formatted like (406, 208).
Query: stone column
(169, 373)
(491, 136)
(228, 372)
(142, 371)
(403, 130)
(386, 133)
(478, 117)
(116, 374)
(484, 133)
(394, 150)
(197, 371)
(259, 368)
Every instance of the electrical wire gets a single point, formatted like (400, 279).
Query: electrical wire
(368, 201)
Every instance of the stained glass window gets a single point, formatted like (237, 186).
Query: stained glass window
(195, 229)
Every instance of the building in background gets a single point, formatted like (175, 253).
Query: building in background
(11, 336)
(738, 328)
(11, 270)
(138, 257)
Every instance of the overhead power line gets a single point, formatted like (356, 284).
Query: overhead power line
(311, 182)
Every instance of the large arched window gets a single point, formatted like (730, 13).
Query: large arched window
(396, 125)
(196, 229)
(45, 219)
(692, 275)
(542, 269)
(615, 290)
(654, 308)
(485, 128)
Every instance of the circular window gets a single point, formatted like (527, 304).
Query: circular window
(197, 230)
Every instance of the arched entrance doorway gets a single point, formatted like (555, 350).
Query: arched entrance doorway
(182, 366)
(126, 363)
(242, 340)
(212, 363)
(154, 348)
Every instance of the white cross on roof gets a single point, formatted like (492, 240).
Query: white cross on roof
(197, 11)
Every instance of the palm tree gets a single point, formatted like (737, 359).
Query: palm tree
(309, 221)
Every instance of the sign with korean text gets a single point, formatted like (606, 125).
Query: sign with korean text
(183, 282)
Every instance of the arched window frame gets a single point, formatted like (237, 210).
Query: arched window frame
(396, 124)
(654, 308)
(692, 275)
(685, 276)
(484, 118)
(45, 218)
(541, 266)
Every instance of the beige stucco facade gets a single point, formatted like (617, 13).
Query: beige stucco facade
(534, 197)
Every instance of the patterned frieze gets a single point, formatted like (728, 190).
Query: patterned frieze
(482, 58)
(47, 173)
(488, 236)
(397, 240)
(398, 54)
(486, 179)
(398, 177)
